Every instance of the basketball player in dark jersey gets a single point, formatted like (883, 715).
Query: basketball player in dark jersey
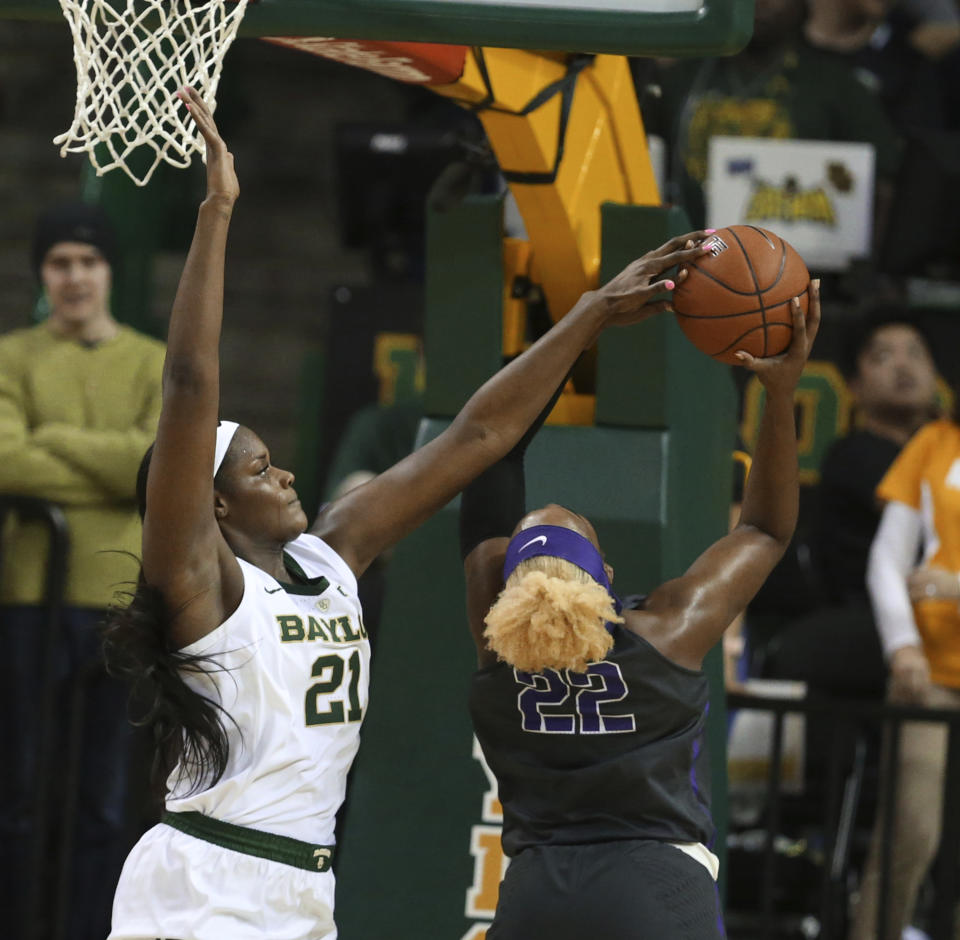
(591, 717)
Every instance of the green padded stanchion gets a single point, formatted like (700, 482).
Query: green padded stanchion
(418, 856)
(692, 397)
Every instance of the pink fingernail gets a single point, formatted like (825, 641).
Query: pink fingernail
(710, 231)
(670, 285)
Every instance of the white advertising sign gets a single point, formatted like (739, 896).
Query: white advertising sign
(818, 195)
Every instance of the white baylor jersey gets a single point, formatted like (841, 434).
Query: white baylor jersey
(294, 680)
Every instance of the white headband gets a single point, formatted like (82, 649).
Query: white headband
(225, 432)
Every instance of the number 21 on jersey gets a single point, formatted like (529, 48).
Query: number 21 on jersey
(552, 702)
(330, 670)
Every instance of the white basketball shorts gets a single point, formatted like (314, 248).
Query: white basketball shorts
(176, 886)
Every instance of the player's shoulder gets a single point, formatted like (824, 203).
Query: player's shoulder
(924, 456)
(24, 350)
(941, 432)
(315, 556)
(25, 337)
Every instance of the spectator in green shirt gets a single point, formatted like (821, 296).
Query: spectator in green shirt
(778, 86)
(79, 401)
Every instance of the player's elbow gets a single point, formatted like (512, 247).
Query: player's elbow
(470, 435)
(770, 541)
(184, 375)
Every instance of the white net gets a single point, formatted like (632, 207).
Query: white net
(131, 57)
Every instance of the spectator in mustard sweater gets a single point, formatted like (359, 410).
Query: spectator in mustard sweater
(79, 401)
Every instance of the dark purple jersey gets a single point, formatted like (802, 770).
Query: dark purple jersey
(616, 752)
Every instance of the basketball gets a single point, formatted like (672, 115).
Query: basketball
(738, 296)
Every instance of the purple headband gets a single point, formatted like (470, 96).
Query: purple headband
(558, 542)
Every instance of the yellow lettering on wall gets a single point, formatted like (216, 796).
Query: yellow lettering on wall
(786, 204)
(398, 364)
(489, 861)
(489, 867)
(476, 932)
(492, 810)
(823, 408)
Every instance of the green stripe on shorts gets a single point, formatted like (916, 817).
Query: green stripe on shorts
(281, 849)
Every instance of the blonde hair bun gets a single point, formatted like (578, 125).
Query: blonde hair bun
(550, 615)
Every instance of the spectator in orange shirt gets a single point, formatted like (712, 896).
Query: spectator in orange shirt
(917, 610)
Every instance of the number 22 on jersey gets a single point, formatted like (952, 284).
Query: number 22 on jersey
(566, 702)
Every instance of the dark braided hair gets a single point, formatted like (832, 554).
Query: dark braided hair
(188, 729)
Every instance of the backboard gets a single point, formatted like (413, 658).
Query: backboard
(627, 27)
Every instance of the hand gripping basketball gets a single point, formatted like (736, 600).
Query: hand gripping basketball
(781, 373)
(629, 297)
(222, 180)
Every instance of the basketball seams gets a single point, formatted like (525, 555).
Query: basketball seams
(753, 274)
(783, 266)
(763, 233)
(764, 326)
(733, 290)
(739, 313)
(745, 334)
(783, 255)
(747, 293)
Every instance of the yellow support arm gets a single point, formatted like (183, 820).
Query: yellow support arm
(604, 159)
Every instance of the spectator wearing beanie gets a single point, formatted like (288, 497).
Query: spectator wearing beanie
(79, 401)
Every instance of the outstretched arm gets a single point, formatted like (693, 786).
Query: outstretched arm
(490, 508)
(695, 609)
(184, 555)
(372, 517)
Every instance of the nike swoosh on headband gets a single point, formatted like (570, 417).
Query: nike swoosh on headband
(542, 539)
(560, 542)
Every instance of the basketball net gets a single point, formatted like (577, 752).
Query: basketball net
(131, 57)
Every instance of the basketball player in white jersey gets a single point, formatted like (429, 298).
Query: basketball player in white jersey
(245, 637)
